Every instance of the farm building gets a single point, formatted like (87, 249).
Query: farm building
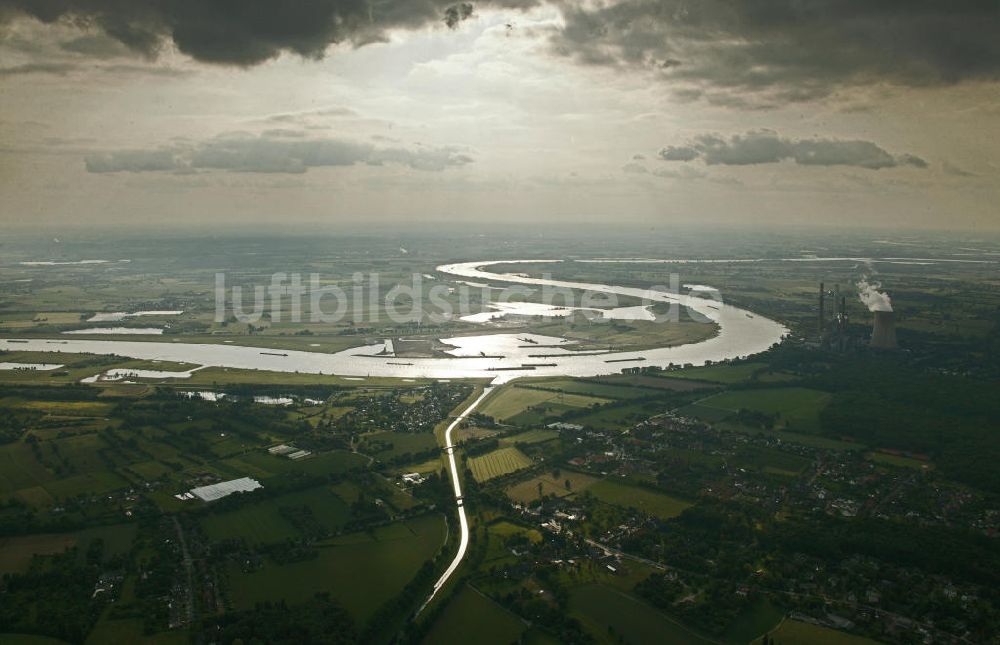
(222, 489)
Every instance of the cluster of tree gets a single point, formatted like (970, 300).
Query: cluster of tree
(319, 620)
(885, 403)
(756, 419)
(14, 421)
(934, 549)
(473, 448)
(903, 401)
(390, 617)
(54, 598)
(550, 613)
(72, 392)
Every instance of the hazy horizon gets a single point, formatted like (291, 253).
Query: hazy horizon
(353, 116)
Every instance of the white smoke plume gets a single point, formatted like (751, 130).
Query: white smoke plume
(870, 292)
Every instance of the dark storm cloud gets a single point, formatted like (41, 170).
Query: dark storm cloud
(957, 171)
(99, 46)
(457, 13)
(59, 69)
(767, 146)
(679, 153)
(790, 50)
(719, 51)
(133, 161)
(244, 32)
(66, 69)
(273, 153)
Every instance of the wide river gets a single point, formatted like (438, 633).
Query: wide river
(501, 357)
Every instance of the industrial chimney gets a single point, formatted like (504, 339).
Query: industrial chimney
(822, 294)
(884, 330)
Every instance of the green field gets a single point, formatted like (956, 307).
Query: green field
(94, 483)
(20, 469)
(619, 418)
(795, 632)
(361, 571)
(797, 408)
(705, 413)
(423, 467)
(213, 376)
(130, 630)
(388, 445)
(659, 504)
(29, 639)
(755, 620)
(511, 401)
(649, 382)
(475, 432)
(589, 388)
(811, 440)
(472, 617)
(16, 553)
(499, 533)
(502, 461)
(527, 491)
(770, 460)
(725, 374)
(505, 529)
(609, 614)
(531, 436)
(898, 461)
(116, 538)
(70, 408)
(264, 522)
(331, 463)
(629, 335)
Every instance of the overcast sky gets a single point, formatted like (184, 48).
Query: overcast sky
(344, 113)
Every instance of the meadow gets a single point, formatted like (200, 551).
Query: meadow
(512, 401)
(723, 374)
(16, 553)
(19, 553)
(268, 521)
(389, 445)
(131, 630)
(613, 617)
(620, 417)
(527, 491)
(587, 387)
(796, 632)
(796, 408)
(626, 496)
(472, 617)
(497, 463)
(505, 529)
(530, 436)
(631, 335)
(29, 639)
(898, 461)
(360, 571)
(813, 441)
(776, 462)
(651, 383)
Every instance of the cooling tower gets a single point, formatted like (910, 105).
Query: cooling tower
(884, 330)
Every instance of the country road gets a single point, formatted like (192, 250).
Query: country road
(463, 543)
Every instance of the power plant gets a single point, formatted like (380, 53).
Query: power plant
(834, 332)
(884, 330)
(822, 294)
